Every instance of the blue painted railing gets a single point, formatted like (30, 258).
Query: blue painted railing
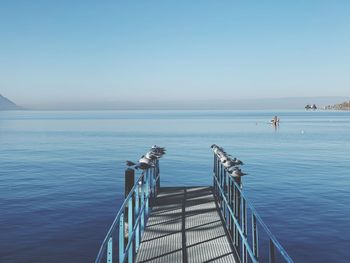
(255, 243)
(124, 236)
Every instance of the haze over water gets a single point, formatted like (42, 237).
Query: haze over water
(61, 177)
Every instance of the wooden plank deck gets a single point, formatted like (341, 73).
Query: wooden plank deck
(185, 226)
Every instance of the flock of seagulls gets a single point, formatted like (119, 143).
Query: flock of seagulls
(156, 152)
(149, 159)
(231, 164)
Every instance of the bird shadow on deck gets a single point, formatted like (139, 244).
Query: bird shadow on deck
(185, 226)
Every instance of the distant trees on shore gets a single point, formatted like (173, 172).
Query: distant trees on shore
(341, 106)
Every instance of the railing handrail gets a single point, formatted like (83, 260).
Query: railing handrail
(234, 207)
(148, 183)
(239, 227)
(117, 217)
(262, 223)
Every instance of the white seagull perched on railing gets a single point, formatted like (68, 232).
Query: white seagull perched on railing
(149, 159)
(236, 172)
(229, 163)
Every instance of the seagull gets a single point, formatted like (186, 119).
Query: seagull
(151, 156)
(231, 168)
(149, 159)
(143, 166)
(232, 162)
(237, 162)
(236, 172)
(215, 148)
(146, 160)
(158, 149)
(220, 152)
(228, 163)
(224, 159)
(130, 163)
(234, 167)
(143, 163)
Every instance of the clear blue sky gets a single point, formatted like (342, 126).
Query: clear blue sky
(95, 51)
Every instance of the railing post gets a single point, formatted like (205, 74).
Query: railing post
(157, 176)
(136, 212)
(147, 192)
(130, 230)
(154, 183)
(238, 212)
(121, 238)
(129, 180)
(214, 173)
(244, 228)
(222, 203)
(230, 193)
(142, 198)
(234, 229)
(272, 252)
(153, 179)
(110, 250)
(217, 177)
(225, 194)
(255, 237)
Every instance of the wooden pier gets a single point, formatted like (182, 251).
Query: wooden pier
(185, 226)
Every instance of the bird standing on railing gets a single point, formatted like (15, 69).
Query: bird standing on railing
(229, 163)
(149, 159)
(236, 172)
(145, 163)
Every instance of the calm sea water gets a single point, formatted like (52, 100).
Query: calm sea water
(61, 175)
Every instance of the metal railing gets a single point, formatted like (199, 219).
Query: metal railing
(235, 209)
(124, 236)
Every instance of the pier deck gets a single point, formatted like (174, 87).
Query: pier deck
(185, 226)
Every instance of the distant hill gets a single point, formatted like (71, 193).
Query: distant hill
(6, 104)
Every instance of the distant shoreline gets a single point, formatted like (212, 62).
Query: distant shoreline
(273, 104)
(345, 106)
(179, 110)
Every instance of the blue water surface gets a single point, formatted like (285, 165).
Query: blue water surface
(62, 181)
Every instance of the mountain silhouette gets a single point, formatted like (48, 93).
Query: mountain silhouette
(6, 104)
